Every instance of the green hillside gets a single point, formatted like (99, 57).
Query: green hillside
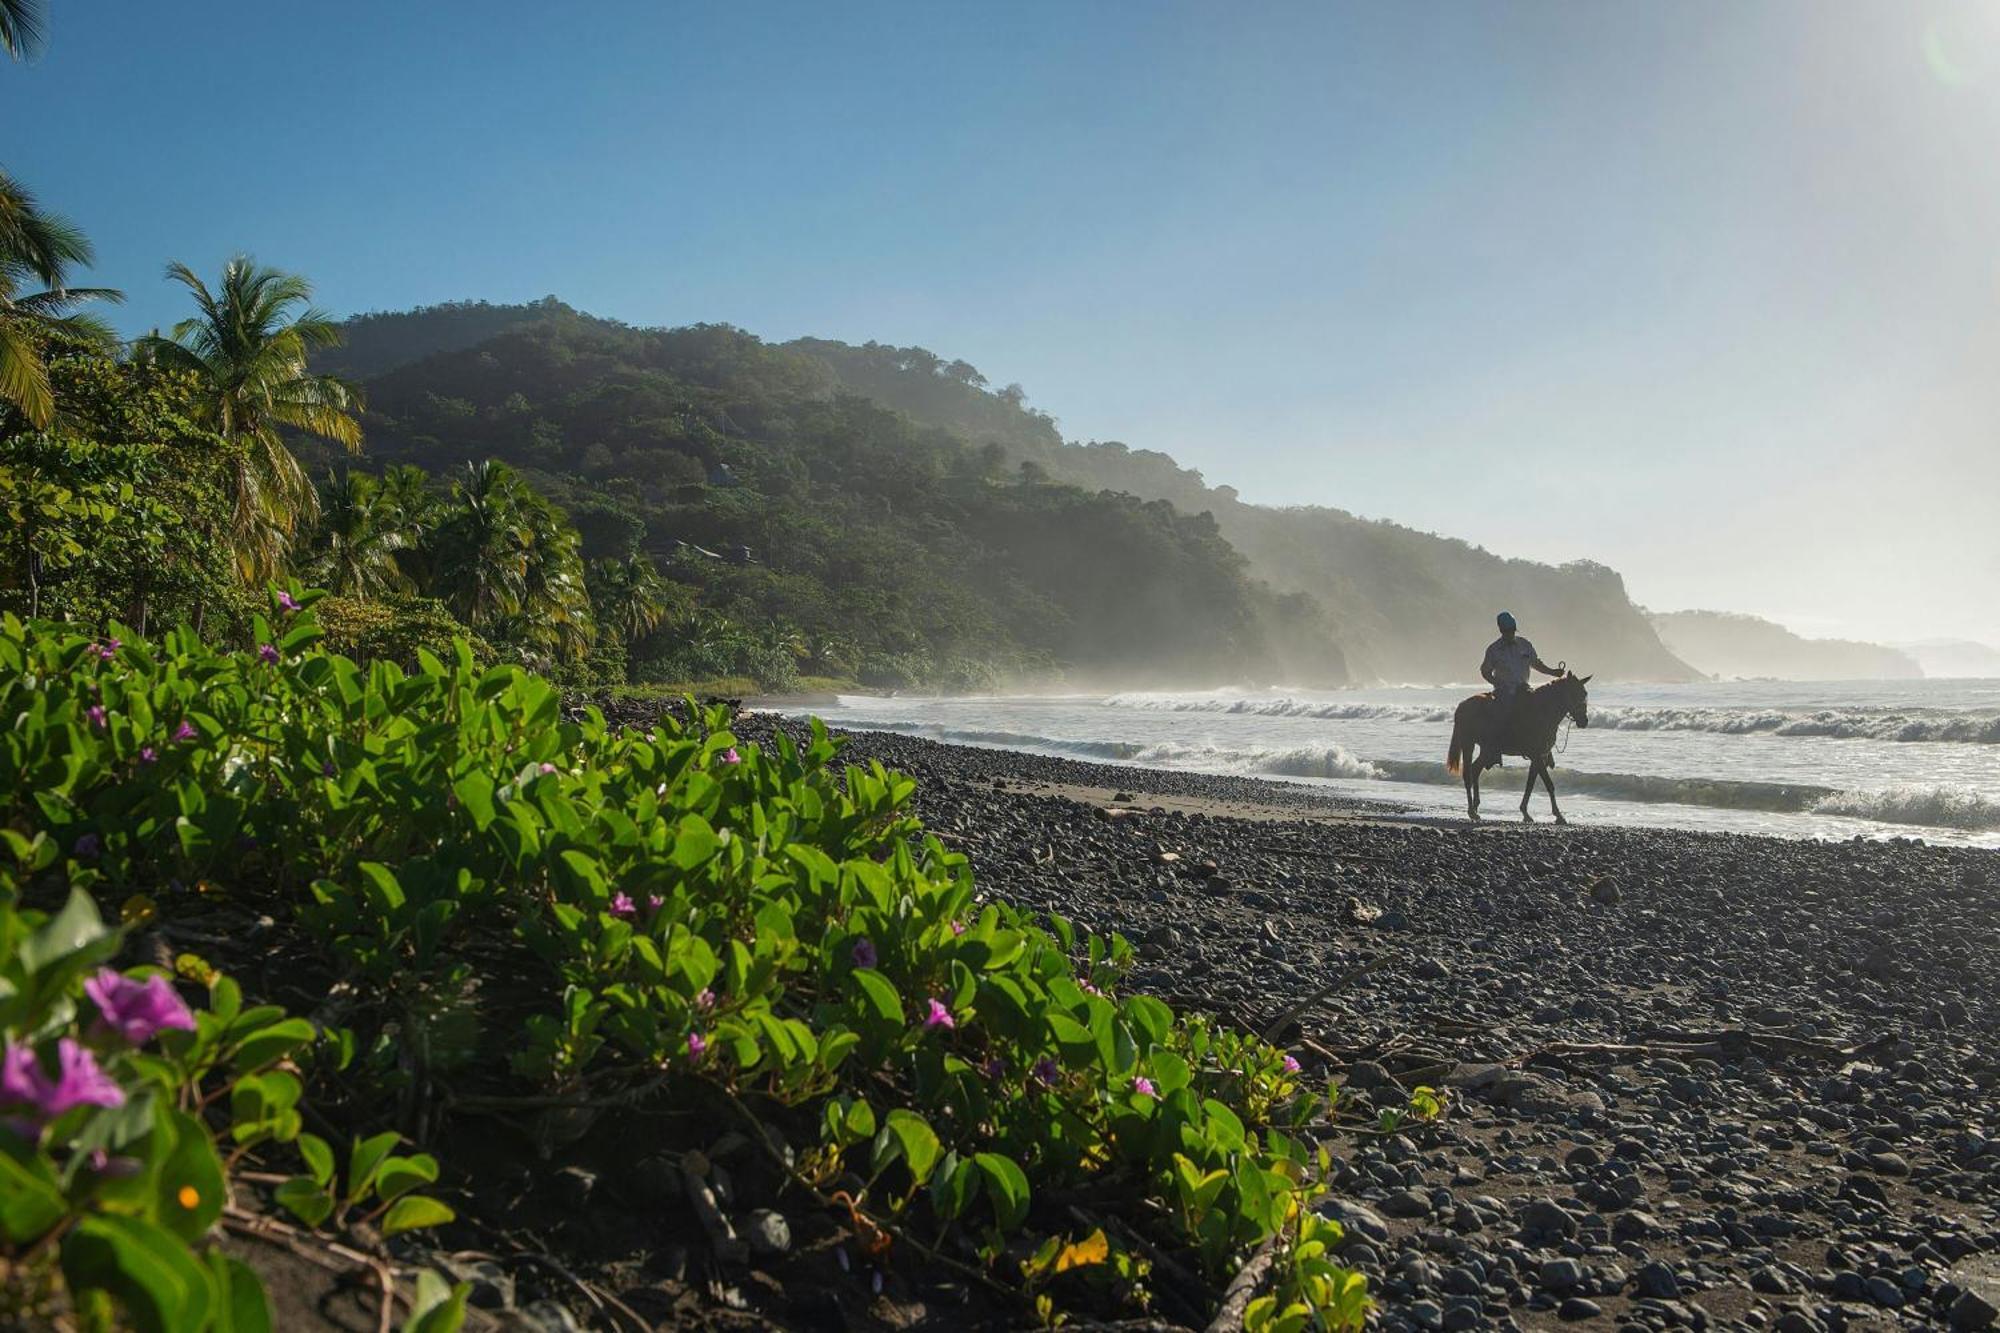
(810, 522)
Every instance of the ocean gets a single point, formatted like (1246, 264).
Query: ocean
(1805, 760)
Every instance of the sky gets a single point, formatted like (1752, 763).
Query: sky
(1705, 291)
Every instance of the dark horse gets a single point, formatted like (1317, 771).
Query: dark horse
(1532, 736)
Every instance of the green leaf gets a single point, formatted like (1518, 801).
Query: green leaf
(190, 1188)
(271, 1043)
(438, 1309)
(30, 1202)
(413, 1211)
(365, 1160)
(400, 1175)
(1008, 1188)
(319, 1157)
(880, 997)
(74, 928)
(145, 1268)
(919, 1141)
(242, 1307)
(305, 1200)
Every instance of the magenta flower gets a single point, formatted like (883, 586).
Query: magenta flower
(697, 1044)
(87, 847)
(148, 755)
(939, 1016)
(654, 902)
(995, 1068)
(547, 768)
(326, 768)
(1144, 1086)
(81, 1082)
(267, 653)
(730, 756)
(706, 1000)
(137, 1010)
(623, 908)
(1046, 1071)
(958, 927)
(287, 601)
(864, 953)
(107, 651)
(97, 716)
(185, 731)
(1291, 1064)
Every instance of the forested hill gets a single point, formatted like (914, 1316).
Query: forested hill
(812, 523)
(630, 426)
(1410, 606)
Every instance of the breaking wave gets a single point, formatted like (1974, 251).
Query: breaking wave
(1976, 728)
(1933, 807)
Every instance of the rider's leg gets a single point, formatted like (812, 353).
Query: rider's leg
(1499, 720)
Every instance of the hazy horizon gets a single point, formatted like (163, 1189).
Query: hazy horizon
(1705, 293)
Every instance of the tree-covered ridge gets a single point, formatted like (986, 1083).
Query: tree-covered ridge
(813, 525)
(1408, 605)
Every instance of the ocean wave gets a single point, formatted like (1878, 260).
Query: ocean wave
(1317, 761)
(1720, 793)
(1932, 807)
(1971, 728)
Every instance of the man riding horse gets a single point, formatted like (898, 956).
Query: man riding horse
(1515, 719)
(1508, 661)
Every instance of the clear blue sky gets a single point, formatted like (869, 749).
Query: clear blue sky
(1705, 290)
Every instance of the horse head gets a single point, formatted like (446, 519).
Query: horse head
(1576, 701)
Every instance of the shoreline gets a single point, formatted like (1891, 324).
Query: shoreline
(1694, 1077)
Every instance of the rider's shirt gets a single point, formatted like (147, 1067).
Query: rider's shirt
(1509, 660)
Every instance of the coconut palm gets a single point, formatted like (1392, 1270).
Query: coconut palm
(481, 544)
(23, 26)
(247, 349)
(37, 250)
(628, 595)
(359, 535)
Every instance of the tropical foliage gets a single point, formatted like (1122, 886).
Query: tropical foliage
(246, 351)
(757, 934)
(38, 250)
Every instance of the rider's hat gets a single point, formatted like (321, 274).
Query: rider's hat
(1506, 620)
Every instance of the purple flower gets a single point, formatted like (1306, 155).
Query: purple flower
(623, 908)
(654, 902)
(730, 756)
(939, 1016)
(96, 715)
(697, 1044)
(185, 731)
(148, 755)
(326, 768)
(995, 1068)
(706, 1000)
(1046, 1071)
(287, 601)
(864, 953)
(958, 927)
(1291, 1064)
(107, 651)
(547, 768)
(87, 847)
(81, 1082)
(137, 1010)
(267, 654)
(1144, 1086)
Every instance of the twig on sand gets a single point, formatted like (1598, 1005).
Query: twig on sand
(1278, 1024)
(1242, 1288)
(1727, 1044)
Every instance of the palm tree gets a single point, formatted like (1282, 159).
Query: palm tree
(37, 249)
(359, 535)
(481, 544)
(23, 26)
(247, 348)
(628, 595)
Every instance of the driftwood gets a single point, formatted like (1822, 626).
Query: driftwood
(1278, 1024)
(1725, 1044)
(1242, 1290)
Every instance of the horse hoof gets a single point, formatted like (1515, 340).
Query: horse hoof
(1561, 820)
(1527, 818)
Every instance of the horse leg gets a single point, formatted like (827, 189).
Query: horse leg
(1534, 768)
(1471, 771)
(1548, 780)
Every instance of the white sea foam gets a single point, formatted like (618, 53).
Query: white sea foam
(1972, 728)
(1932, 807)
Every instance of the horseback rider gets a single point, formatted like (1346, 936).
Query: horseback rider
(1509, 659)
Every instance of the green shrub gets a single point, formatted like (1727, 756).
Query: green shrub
(392, 628)
(769, 931)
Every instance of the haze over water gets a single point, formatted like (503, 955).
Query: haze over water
(1823, 760)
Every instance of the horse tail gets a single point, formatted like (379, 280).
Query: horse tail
(1451, 755)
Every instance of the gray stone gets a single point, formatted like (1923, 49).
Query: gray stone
(1657, 1281)
(1576, 1307)
(768, 1232)
(1407, 1203)
(1971, 1311)
(1561, 1274)
(1358, 1219)
(1884, 1292)
(1546, 1217)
